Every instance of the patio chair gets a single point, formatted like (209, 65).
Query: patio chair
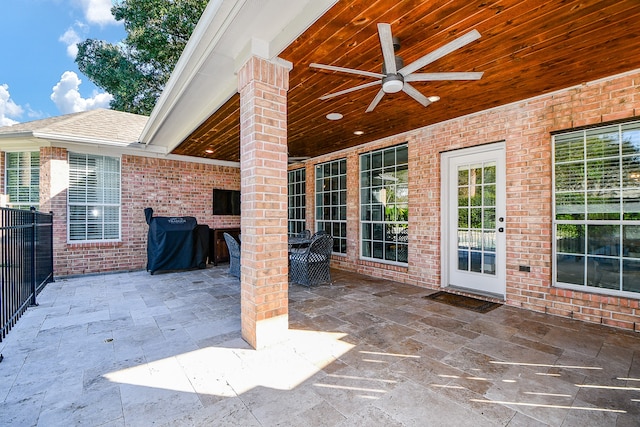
(234, 255)
(311, 267)
(319, 233)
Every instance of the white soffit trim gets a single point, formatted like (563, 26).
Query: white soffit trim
(205, 76)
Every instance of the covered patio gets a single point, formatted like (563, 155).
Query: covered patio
(133, 349)
(322, 91)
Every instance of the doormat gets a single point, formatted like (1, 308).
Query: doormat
(468, 303)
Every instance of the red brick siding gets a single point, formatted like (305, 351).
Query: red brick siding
(525, 127)
(170, 187)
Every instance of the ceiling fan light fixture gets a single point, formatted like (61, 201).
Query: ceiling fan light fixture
(394, 72)
(392, 83)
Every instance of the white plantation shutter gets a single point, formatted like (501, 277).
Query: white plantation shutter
(94, 197)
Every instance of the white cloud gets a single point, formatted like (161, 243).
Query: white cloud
(9, 110)
(98, 12)
(71, 39)
(66, 95)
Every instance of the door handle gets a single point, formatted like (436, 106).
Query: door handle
(501, 229)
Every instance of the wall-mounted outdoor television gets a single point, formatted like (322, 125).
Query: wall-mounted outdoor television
(226, 202)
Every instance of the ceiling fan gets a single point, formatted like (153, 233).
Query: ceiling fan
(395, 76)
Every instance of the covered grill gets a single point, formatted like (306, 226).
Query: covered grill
(175, 243)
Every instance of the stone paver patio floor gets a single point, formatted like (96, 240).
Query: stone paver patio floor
(133, 349)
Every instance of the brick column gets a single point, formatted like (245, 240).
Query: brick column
(263, 89)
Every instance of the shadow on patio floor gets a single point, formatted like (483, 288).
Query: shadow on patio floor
(134, 349)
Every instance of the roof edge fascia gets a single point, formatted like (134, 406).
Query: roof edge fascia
(210, 43)
(197, 50)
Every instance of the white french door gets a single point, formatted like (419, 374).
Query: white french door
(473, 218)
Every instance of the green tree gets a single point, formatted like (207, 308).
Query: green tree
(135, 70)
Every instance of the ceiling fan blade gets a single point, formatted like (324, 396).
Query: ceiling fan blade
(413, 92)
(388, 53)
(346, 70)
(432, 77)
(440, 52)
(351, 89)
(375, 101)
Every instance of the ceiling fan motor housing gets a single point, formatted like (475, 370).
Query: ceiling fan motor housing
(393, 83)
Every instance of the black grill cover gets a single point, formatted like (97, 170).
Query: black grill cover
(175, 243)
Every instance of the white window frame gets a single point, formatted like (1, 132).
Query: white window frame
(104, 197)
(296, 200)
(374, 215)
(331, 216)
(23, 173)
(579, 257)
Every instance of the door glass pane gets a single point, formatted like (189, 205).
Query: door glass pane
(477, 218)
(463, 239)
(489, 265)
(489, 241)
(463, 260)
(489, 219)
(490, 195)
(463, 217)
(476, 261)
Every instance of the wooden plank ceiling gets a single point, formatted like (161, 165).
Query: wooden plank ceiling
(527, 48)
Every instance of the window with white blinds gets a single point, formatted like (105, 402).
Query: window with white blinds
(93, 197)
(22, 179)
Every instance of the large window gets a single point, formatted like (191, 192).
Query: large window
(331, 202)
(94, 197)
(22, 179)
(597, 208)
(297, 200)
(384, 204)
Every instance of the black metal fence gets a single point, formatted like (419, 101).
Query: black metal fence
(26, 261)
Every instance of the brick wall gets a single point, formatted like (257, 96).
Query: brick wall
(526, 129)
(170, 187)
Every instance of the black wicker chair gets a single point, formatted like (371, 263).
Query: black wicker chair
(311, 267)
(234, 254)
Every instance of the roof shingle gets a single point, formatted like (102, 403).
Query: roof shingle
(98, 124)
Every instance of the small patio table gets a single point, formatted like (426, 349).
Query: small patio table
(297, 243)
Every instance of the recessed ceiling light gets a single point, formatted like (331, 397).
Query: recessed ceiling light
(434, 98)
(358, 132)
(334, 116)
(209, 151)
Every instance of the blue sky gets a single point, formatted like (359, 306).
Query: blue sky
(38, 75)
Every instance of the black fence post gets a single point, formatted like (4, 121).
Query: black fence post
(33, 257)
